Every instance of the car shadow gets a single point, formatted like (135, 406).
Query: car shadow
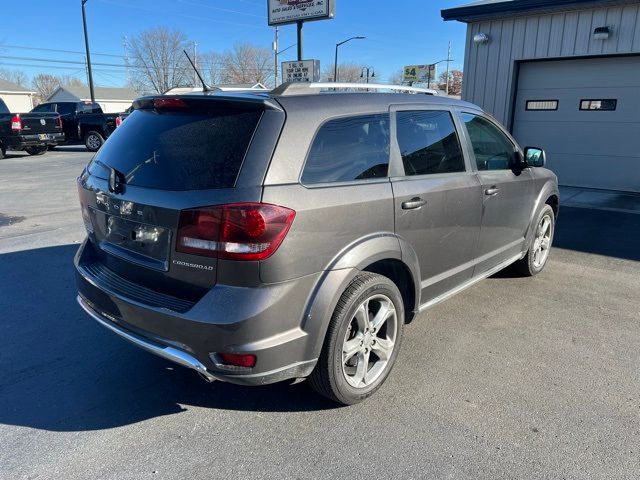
(63, 372)
(602, 232)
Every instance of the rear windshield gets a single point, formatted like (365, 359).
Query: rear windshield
(173, 150)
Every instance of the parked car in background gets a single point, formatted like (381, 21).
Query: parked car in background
(270, 236)
(31, 132)
(83, 122)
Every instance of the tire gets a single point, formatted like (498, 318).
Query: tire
(93, 141)
(39, 150)
(537, 255)
(349, 382)
(3, 152)
(51, 147)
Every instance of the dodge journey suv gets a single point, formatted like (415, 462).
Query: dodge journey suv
(261, 237)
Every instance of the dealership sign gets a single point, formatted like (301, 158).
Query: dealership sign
(292, 11)
(303, 71)
(419, 73)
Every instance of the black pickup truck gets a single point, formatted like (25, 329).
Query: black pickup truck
(31, 132)
(83, 122)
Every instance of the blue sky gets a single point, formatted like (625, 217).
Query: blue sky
(398, 33)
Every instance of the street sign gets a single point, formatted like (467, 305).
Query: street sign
(303, 71)
(291, 11)
(419, 73)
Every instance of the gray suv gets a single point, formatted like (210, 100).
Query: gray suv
(261, 237)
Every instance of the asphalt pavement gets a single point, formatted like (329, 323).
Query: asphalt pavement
(513, 378)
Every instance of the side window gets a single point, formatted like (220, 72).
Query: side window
(428, 143)
(349, 149)
(66, 108)
(492, 148)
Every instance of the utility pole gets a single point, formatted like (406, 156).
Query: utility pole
(195, 63)
(448, 62)
(275, 57)
(86, 46)
(125, 49)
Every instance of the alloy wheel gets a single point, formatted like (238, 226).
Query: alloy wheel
(542, 241)
(369, 341)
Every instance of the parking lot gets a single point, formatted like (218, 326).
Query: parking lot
(515, 377)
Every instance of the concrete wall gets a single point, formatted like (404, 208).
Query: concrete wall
(18, 102)
(490, 69)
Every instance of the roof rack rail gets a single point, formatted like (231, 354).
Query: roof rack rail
(303, 88)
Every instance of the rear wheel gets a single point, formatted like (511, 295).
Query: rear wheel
(538, 253)
(38, 150)
(93, 141)
(3, 151)
(362, 342)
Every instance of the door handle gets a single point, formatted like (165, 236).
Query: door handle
(414, 203)
(492, 191)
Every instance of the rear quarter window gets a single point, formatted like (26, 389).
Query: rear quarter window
(349, 149)
(178, 150)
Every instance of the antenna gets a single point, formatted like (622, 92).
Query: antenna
(205, 88)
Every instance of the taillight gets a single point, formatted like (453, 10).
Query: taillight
(16, 123)
(239, 231)
(118, 120)
(59, 121)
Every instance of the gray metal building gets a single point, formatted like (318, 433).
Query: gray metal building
(563, 75)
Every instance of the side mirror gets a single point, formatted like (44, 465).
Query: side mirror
(535, 157)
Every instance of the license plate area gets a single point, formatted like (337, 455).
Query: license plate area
(43, 136)
(136, 242)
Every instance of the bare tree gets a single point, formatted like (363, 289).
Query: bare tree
(211, 66)
(157, 60)
(247, 63)
(455, 82)
(397, 77)
(347, 72)
(44, 84)
(14, 76)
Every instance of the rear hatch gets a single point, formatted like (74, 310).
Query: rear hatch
(36, 123)
(173, 154)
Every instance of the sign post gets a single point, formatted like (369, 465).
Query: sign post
(282, 12)
(303, 71)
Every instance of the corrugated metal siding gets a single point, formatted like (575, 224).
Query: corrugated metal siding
(489, 69)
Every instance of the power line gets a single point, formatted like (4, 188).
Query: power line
(21, 47)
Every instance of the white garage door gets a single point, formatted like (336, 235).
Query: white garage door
(586, 114)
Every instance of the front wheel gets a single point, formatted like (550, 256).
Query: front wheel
(93, 141)
(362, 342)
(540, 246)
(39, 150)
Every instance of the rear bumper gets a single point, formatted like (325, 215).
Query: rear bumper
(265, 321)
(20, 142)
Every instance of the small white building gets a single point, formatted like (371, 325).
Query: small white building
(17, 98)
(111, 99)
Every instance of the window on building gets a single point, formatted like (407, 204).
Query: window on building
(428, 143)
(602, 105)
(542, 105)
(349, 149)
